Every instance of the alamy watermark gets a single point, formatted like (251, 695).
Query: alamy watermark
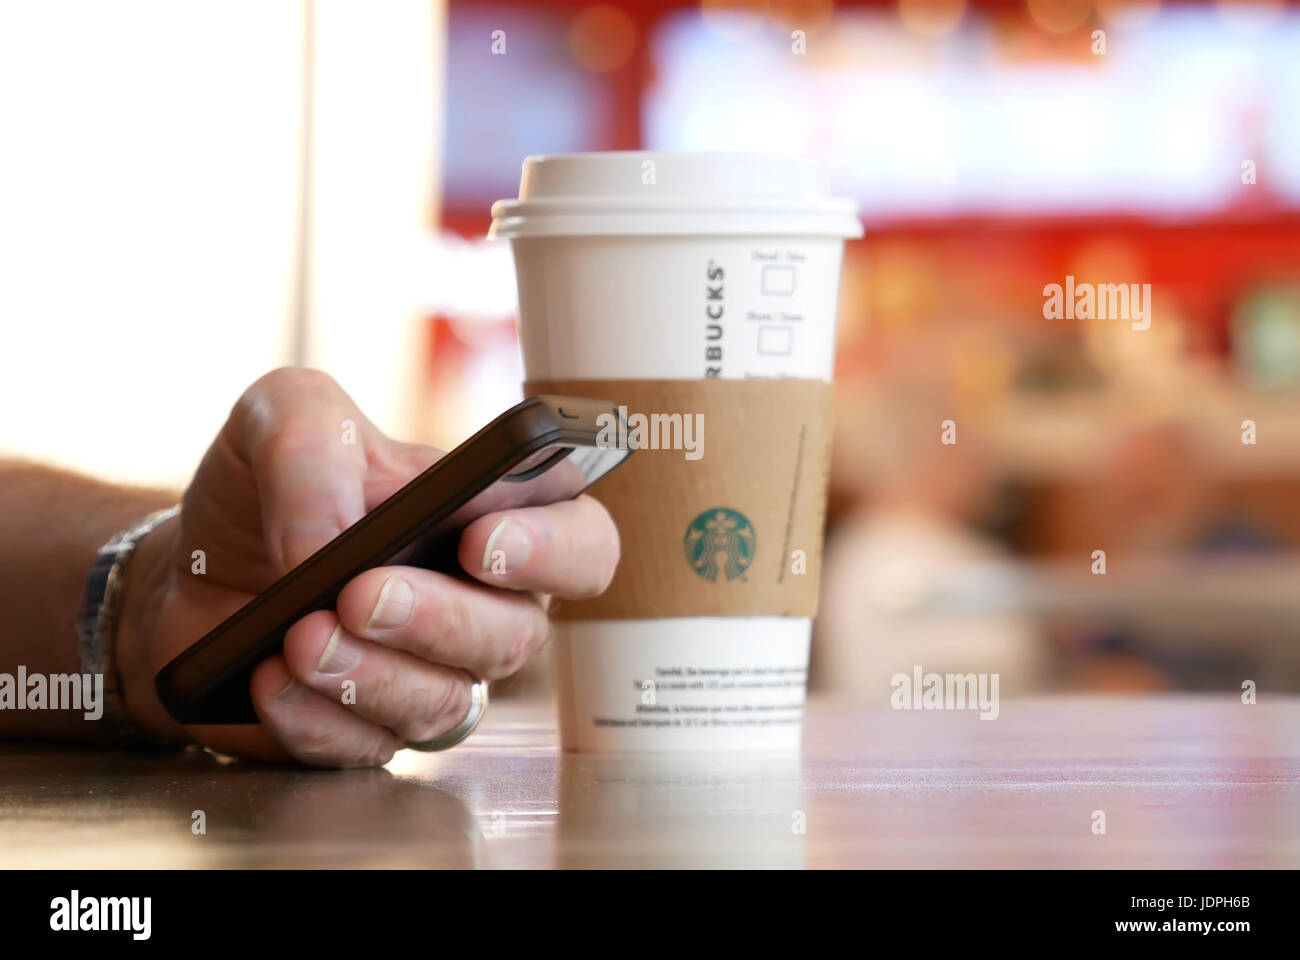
(1098, 301)
(655, 431)
(946, 691)
(75, 913)
(55, 691)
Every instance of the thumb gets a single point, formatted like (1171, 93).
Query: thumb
(304, 440)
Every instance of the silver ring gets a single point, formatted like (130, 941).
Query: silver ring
(478, 701)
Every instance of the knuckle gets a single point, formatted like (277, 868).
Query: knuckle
(380, 750)
(435, 709)
(453, 703)
(284, 440)
(529, 637)
(322, 745)
(272, 405)
(382, 690)
(293, 379)
(266, 390)
(452, 623)
(331, 746)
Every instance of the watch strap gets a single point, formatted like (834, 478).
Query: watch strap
(98, 616)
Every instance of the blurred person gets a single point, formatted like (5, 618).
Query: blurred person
(1155, 496)
(1157, 492)
(275, 486)
(915, 533)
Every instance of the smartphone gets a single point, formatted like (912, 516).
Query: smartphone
(543, 450)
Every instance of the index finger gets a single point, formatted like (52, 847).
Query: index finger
(569, 549)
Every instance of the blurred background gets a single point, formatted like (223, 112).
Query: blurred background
(192, 193)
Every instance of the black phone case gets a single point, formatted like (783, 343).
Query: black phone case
(208, 683)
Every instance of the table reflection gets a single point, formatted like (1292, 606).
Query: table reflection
(689, 810)
(78, 809)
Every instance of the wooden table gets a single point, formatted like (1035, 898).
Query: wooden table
(1183, 782)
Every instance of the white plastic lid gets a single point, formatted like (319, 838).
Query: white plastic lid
(640, 193)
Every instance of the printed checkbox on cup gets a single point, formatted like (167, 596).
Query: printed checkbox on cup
(775, 341)
(778, 280)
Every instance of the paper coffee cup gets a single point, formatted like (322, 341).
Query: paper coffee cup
(676, 277)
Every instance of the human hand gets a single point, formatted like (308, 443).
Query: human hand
(277, 484)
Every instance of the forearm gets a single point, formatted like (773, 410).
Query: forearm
(51, 524)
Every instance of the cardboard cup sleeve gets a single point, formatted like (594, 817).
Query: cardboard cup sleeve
(735, 532)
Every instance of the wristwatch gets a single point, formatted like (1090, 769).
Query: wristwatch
(97, 623)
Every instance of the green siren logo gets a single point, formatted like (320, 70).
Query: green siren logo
(720, 540)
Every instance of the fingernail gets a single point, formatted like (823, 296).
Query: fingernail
(395, 605)
(293, 691)
(339, 656)
(508, 547)
(301, 540)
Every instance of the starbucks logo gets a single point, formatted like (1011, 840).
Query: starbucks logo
(720, 541)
